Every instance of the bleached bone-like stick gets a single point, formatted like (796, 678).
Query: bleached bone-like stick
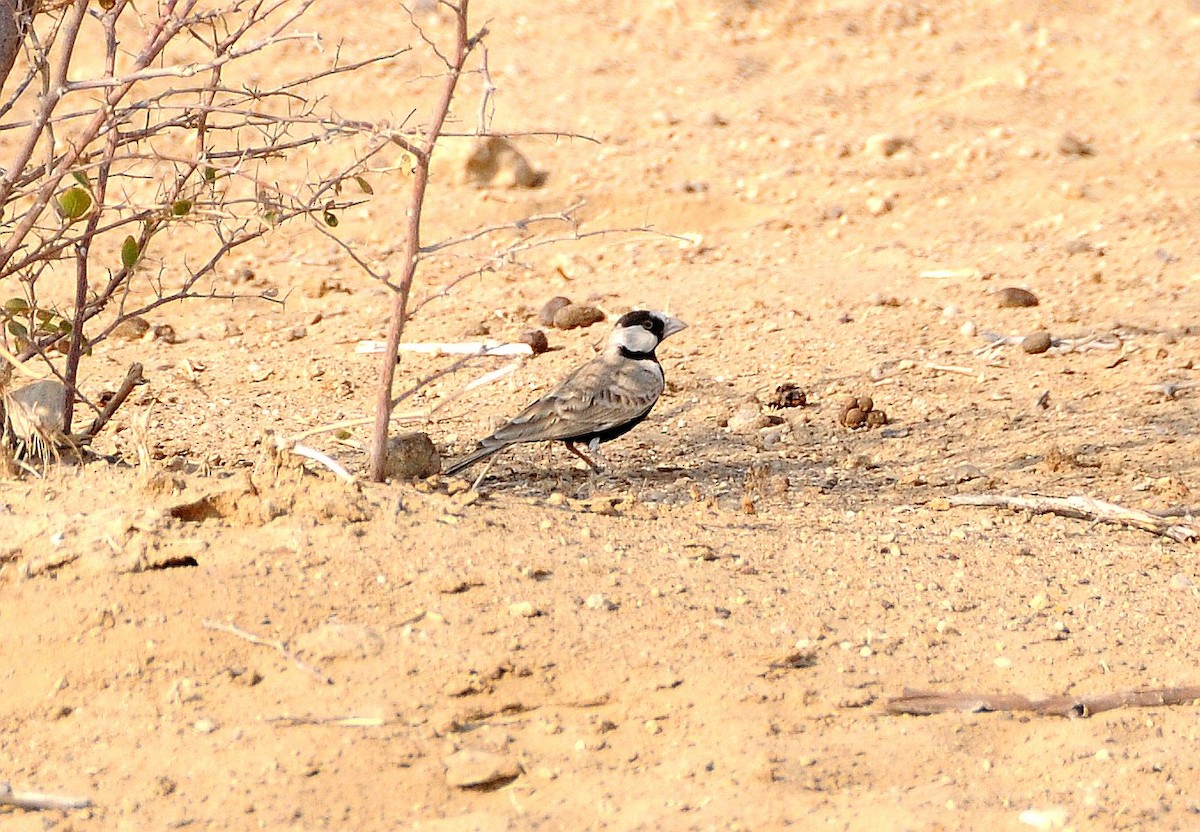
(280, 646)
(329, 462)
(1081, 508)
(39, 801)
(925, 703)
(464, 348)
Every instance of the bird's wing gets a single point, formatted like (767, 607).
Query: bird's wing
(600, 395)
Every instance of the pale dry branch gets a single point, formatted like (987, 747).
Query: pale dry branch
(329, 462)
(926, 703)
(1082, 508)
(468, 348)
(277, 645)
(522, 225)
(40, 801)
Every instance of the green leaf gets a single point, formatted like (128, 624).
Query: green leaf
(65, 326)
(15, 306)
(181, 207)
(81, 177)
(130, 252)
(18, 329)
(73, 203)
(364, 185)
(210, 174)
(331, 219)
(44, 315)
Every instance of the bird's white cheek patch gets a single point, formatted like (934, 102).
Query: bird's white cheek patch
(636, 339)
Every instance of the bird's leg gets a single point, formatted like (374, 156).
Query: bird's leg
(486, 468)
(571, 447)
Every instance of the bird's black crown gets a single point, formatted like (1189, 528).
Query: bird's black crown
(646, 320)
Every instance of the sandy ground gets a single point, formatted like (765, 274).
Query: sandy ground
(706, 635)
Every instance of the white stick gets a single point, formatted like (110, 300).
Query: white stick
(328, 461)
(951, 368)
(36, 801)
(465, 348)
(494, 375)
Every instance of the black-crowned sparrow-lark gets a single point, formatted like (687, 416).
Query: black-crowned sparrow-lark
(605, 398)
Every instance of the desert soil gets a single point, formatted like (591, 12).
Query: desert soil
(706, 635)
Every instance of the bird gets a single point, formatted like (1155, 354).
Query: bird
(605, 398)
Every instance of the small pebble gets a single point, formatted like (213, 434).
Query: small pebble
(748, 417)
(883, 145)
(522, 609)
(131, 329)
(1181, 581)
(469, 769)
(536, 339)
(599, 602)
(1036, 343)
(878, 205)
(550, 309)
(1072, 145)
(577, 315)
(411, 456)
(1014, 298)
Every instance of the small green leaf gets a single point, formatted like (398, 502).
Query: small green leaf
(130, 252)
(81, 177)
(210, 174)
(331, 219)
(14, 306)
(364, 185)
(18, 329)
(181, 207)
(44, 315)
(65, 326)
(73, 203)
(342, 434)
(271, 216)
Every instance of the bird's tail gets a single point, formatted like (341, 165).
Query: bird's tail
(482, 452)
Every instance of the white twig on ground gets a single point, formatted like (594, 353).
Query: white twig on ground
(465, 348)
(40, 801)
(1082, 508)
(925, 703)
(279, 646)
(329, 462)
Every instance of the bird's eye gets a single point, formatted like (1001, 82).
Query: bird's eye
(647, 325)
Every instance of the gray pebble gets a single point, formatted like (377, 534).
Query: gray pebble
(577, 315)
(1014, 298)
(550, 309)
(1036, 343)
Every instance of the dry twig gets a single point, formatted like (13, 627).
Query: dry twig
(1082, 508)
(40, 801)
(924, 703)
(280, 646)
